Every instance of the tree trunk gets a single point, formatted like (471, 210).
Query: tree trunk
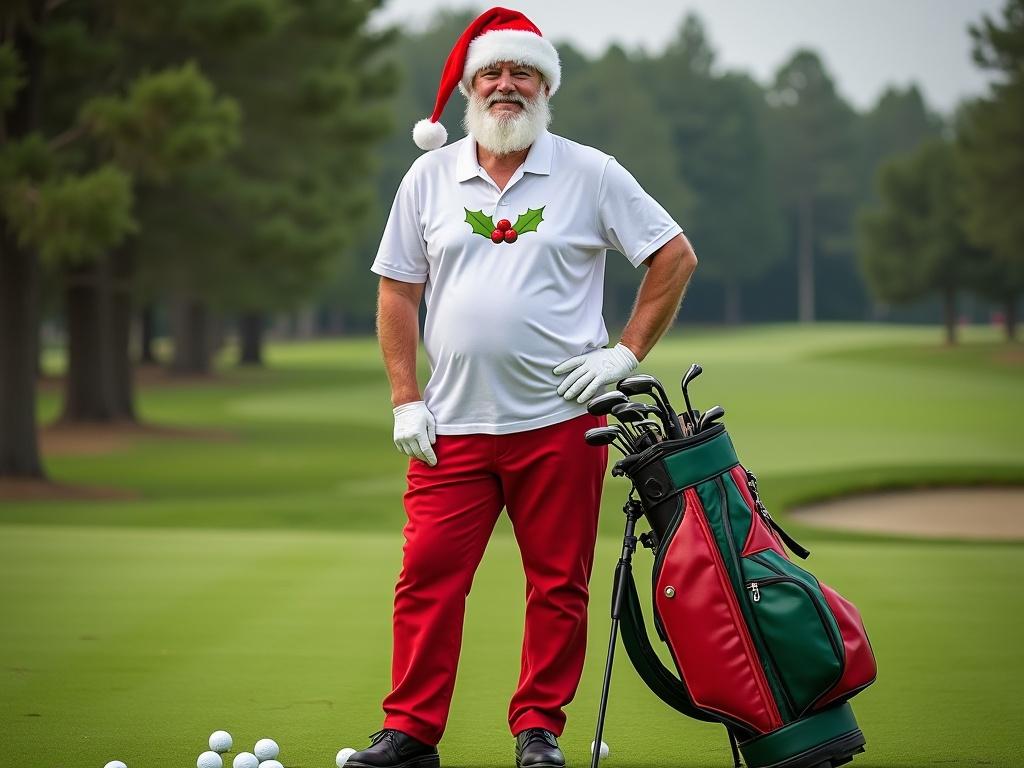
(147, 326)
(805, 258)
(19, 275)
(89, 382)
(191, 337)
(949, 313)
(250, 331)
(1010, 318)
(733, 302)
(19, 301)
(306, 327)
(122, 272)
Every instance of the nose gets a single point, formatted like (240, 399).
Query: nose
(506, 84)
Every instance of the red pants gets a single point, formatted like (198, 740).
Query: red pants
(550, 482)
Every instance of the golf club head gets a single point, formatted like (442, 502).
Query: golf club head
(633, 412)
(710, 416)
(611, 435)
(603, 404)
(694, 371)
(600, 436)
(638, 384)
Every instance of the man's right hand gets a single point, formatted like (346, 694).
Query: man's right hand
(414, 431)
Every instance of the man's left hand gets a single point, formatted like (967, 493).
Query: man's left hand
(594, 370)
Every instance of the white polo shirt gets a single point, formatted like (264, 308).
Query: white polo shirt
(501, 316)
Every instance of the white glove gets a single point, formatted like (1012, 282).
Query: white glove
(594, 370)
(414, 431)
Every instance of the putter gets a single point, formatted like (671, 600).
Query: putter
(645, 384)
(711, 415)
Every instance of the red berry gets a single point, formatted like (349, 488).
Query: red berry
(497, 236)
(510, 236)
(504, 225)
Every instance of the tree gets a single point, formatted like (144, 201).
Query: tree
(914, 245)
(607, 105)
(44, 209)
(992, 158)
(717, 128)
(813, 146)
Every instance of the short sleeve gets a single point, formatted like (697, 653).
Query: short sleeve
(630, 220)
(402, 254)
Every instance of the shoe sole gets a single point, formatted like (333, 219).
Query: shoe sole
(542, 765)
(426, 761)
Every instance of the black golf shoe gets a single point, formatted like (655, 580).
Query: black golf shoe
(393, 749)
(538, 748)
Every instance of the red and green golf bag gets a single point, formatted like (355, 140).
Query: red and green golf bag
(759, 644)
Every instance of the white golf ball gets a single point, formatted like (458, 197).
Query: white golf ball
(220, 741)
(266, 749)
(209, 760)
(270, 764)
(604, 749)
(245, 760)
(115, 764)
(343, 756)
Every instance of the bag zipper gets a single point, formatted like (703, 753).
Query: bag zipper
(752, 646)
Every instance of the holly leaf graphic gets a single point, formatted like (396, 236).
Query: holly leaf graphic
(480, 222)
(529, 221)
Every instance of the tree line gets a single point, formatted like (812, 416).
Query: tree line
(166, 165)
(203, 155)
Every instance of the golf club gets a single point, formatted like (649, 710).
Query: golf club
(603, 404)
(694, 371)
(646, 384)
(607, 436)
(711, 415)
(634, 414)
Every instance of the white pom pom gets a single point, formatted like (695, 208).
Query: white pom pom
(428, 135)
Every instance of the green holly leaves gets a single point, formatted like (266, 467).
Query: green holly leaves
(484, 226)
(480, 222)
(529, 221)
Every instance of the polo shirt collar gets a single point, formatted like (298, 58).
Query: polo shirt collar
(538, 159)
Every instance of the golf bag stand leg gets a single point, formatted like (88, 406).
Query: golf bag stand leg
(633, 510)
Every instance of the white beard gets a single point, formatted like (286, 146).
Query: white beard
(505, 134)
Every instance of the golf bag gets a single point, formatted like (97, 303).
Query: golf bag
(758, 643)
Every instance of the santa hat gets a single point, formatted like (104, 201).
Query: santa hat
(495, 35)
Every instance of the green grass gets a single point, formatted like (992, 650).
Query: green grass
(221, 597)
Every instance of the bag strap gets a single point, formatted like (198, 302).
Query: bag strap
(665, 684)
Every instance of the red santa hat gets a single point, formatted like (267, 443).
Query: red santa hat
(495, 35)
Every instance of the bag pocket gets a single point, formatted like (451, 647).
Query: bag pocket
(797, 628)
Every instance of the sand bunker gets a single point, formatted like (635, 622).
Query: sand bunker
(961, 513)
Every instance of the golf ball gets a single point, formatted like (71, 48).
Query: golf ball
(115, 764)
(270, 764)
(343, 756)
(604, 749)
(209, 760)
(220, 741)
(266, 749)
(245, 760)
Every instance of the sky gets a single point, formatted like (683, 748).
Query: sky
(866, 44)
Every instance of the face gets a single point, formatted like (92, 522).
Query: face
(507, 84)
(507, 108)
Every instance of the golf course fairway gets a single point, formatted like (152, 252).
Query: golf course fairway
(244, 579)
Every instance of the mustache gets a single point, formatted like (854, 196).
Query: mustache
(498, 98)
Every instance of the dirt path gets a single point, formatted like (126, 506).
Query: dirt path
(962, 513)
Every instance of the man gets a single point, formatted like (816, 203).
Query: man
(504, 234)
